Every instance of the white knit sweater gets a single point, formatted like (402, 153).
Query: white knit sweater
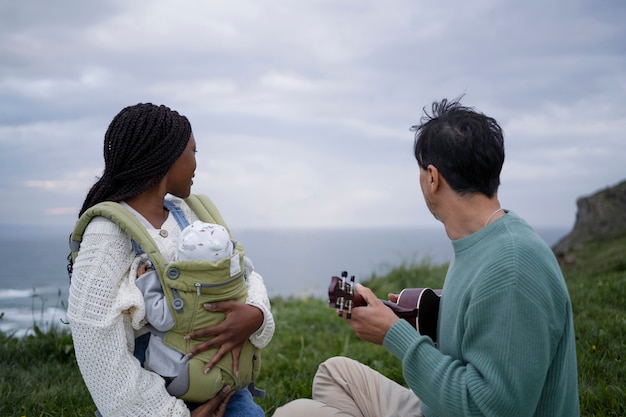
(106, 312)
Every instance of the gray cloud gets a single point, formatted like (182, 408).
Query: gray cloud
(301, 111)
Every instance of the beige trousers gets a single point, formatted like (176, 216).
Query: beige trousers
(343, 387)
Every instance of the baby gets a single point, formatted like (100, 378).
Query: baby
(198, 241)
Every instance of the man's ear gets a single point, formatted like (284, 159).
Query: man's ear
(434, 178)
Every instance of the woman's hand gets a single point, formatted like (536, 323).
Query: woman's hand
(229, 335)
(216, 406)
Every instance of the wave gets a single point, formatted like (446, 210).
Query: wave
(20, 320)
(7, 294)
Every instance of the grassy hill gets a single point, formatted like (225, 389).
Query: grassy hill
(39, 377)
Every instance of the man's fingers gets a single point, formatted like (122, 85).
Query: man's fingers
(367, 294)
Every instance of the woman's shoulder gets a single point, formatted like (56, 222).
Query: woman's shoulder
(102, 231)
(102, 240)
(103, 225)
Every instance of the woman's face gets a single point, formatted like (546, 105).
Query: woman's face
(181, 173)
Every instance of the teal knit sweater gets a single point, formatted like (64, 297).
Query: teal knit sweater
(505, 330)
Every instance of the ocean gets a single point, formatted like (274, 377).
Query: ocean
(293, 262)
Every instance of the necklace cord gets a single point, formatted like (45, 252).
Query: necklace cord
(492, 214)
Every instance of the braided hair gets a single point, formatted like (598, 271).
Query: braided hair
(140, 145)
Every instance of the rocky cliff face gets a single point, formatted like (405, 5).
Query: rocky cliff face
(601, 215)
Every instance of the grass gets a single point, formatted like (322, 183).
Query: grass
(39, 376)
(596, 280)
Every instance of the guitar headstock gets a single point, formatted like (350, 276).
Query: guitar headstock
(341, 294)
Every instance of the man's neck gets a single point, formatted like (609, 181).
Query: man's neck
(467, 215)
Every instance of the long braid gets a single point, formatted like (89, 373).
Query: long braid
(140, 145)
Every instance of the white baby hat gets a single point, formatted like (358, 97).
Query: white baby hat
(204, 241)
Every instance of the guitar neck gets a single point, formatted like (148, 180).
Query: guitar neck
(402, 312)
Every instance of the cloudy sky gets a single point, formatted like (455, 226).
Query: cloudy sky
(301, 109)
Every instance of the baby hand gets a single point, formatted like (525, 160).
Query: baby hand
(142, 268)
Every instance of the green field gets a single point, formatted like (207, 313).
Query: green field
(39, 376)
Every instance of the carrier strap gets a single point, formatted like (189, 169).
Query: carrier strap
(142, 242)
(205, 209)
(127, 222)
(178, 214)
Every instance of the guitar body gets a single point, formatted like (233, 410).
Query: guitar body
(418, 306)
(426, 302)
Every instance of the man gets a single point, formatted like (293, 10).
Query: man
(505, 328)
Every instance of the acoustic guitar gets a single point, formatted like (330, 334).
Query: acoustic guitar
(418, 306)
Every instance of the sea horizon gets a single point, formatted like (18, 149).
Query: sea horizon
(34, 283)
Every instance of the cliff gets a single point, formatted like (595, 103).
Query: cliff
(601, 215)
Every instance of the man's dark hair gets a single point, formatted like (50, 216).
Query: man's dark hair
(140, 145)
(466, 147)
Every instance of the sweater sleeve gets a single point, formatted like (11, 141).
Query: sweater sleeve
(257, 296)
(497, 376)
(101, 307)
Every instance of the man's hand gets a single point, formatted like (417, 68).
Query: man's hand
(216, 406)
(371, 322)
(229, 335)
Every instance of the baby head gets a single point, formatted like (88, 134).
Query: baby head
(204, 241)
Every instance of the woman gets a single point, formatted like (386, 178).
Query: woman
(149, 152)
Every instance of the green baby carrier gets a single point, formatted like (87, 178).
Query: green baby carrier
(188, 285)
